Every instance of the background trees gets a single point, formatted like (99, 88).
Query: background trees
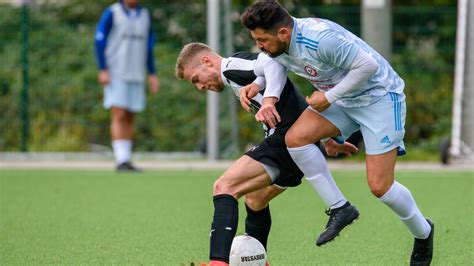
(65, 99)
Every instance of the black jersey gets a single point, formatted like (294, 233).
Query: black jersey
(244, 68)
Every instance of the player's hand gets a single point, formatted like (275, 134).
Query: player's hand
(318, 101)
(247, 93)
(267, 113)
(104, 77)
(334, 149)
(153, 83)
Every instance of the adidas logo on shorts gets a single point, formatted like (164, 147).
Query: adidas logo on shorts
(385, 140)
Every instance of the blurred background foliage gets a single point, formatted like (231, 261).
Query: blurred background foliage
(65, 106)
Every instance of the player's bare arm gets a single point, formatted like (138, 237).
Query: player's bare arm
(153, 83)
(104, 77)
(268, 113)
(247, 93)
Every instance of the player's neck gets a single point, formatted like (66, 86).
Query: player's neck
(218, 62)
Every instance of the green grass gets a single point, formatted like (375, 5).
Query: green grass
(413, 154)
(163, 218)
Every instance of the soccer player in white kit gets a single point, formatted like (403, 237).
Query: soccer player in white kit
(356, 89)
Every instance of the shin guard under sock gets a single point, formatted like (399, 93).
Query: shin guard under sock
(224, 226)
(258, 223)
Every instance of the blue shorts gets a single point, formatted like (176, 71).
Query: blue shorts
(382, 123)
(125, 94)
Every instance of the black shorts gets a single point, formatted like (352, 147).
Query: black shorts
(272, 151)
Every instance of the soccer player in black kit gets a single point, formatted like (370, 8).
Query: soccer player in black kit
(267, 169)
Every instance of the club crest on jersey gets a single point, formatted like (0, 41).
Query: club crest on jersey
(310, 71)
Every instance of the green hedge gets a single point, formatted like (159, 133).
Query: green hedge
(65, 106)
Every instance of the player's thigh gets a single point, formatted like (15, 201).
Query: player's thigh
(259, 199)
(309, 128)
(121, 115)
(275, 158)
(382, 124)
(118, 114)
(338, 117)
(244, 176)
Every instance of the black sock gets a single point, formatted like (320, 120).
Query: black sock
(224, 226)
(258, 224)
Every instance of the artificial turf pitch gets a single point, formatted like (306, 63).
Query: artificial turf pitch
(163, 218)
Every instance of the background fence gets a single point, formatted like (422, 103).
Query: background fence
(64, 103)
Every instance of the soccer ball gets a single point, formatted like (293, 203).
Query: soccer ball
(246, 251)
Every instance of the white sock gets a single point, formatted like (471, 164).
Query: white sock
(122, 150)
(313, 164)
(400, 200)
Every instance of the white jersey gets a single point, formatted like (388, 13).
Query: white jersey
(322, 51)
(244, 68)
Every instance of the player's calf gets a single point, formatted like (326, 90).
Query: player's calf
(224, 226)
(258, 224)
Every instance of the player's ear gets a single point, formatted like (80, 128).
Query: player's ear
(283, 34)
(206, 61)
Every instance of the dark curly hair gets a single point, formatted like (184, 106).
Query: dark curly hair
(266, 14)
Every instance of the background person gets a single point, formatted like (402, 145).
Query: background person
(124, 43)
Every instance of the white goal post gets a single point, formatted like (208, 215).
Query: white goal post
(461, 144)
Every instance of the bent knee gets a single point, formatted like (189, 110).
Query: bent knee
(293, 140)
(379, 188)
(222, 186)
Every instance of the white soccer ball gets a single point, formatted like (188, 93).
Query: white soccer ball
(246, 251)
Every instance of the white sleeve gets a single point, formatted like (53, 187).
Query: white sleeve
(274, 74)
(361, 69)
(260, 81)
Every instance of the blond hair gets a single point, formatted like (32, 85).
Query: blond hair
(187, 55)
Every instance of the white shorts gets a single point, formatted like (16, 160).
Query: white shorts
(382, 123)
(125, 94)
